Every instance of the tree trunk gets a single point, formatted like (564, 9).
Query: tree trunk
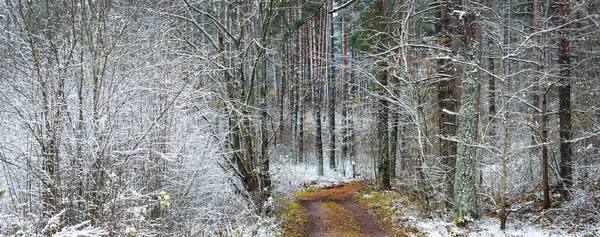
(544, 128)
(316, 77)
(466, 203)
(383, 170)
(542, 92)
(294, 104)
(448, 95)
(491, 81)
(303, 57)
(345, 97)
(352, 93)
(331, 94)
(383, 159)
(564, 91)
(283, 74)
(393, 141)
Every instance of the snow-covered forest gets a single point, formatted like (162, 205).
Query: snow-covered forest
(211, 117)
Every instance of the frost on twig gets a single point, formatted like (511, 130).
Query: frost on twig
(81, 229)
(460, 14)
(449, 112)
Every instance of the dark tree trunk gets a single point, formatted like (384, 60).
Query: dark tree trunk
(544, 128)
(393, 142)
(301, 100)
(294, 101)
(331, 94)
(316, 75)
(491, 80)
(383, 159)
(543, 117)
(448, 95)
(383, 170)
(345, 102)
(564, 91)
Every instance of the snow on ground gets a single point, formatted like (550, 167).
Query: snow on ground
(487, 227)
(289, 177)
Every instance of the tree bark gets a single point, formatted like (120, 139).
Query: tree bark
(331, 93)
(383, 170)
(564, 91)
(345, 92)
(448, 93)
(542, 92)
(383, 159)
(319, 94)
(466, 203)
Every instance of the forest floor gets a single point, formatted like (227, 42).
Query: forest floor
(332, 212)
(357, 208)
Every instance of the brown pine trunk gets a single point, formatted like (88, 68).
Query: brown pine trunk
(448, 95)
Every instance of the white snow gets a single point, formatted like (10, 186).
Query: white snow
(486, 227)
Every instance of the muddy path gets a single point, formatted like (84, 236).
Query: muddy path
(332, 212)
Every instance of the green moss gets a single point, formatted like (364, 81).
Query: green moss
(302, 192)
(290, 216)
(461, 222)
(387, 205)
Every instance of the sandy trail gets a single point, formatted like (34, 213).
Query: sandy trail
(332, 212)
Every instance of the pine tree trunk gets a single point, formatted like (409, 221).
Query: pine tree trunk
(352, 93)
(504, 150)
(383, 170)
(466, 203)
(544, 128)
(564, 104)
(383, 159)
(448, 101)
(301, 77)
(393, 142)
(331, 94)
(294, 103)
(491, 82)
(542, 92)
(319, 96)
(345, 91)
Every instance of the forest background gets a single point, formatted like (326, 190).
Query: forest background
(186, 117)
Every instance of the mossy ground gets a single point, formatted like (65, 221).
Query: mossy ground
(340, 221)
(290, 216)
(389, 207)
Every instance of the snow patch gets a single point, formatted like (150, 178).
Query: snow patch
(486, 227)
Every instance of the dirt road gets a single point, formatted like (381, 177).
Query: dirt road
(331, 212)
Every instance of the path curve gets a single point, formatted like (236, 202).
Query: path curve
(332, 212)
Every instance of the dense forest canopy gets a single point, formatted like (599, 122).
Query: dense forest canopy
(188, 117)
